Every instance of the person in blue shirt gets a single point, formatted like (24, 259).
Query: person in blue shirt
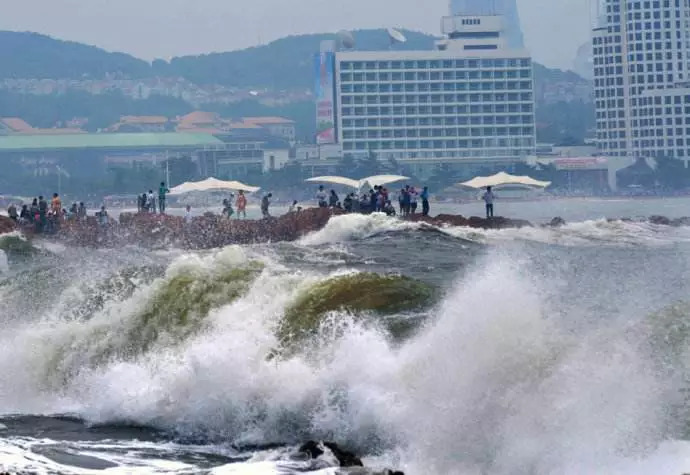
(425, 201)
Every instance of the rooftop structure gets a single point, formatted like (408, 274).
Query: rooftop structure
(470, 101)
(505, 8)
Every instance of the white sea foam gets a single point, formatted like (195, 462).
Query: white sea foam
(356, 226)
(586, 233)
(491, 385)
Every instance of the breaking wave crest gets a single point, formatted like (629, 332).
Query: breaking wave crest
(494, 382)
(587, 233)
(357, 226)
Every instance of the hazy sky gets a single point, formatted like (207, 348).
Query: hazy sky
(164, 28)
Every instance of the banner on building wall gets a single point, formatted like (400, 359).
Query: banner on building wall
(325, 97)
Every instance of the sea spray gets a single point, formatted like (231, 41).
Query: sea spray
(357, 293)
(163, 313)
(357, 226)
(498, 381)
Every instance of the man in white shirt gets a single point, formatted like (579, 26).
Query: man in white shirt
(188, 215)
(489, 198)
(151, 202)
(322, 197)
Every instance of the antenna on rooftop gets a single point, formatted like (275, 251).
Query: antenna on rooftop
(346, 39)
(396, 36)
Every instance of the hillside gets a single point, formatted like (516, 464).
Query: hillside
(30, 55)
(282, 64)
(286, 63)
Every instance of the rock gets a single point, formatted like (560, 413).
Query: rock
(7, 225)
(345, 458)
(557, 222)
(660, 220)
(204, 232)
(678, 222)
(473, 222)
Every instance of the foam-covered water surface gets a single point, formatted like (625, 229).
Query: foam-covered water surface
(540, 354)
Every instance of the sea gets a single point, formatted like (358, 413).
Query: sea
(543, 351)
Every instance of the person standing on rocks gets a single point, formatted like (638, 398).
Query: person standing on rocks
(162, 191)
(321, 197)
(42, 213)
(241, 205)
(265, 203)
(188, 215)
(56, 204)
(81, 211)
(333, 199)
(12, 212)
(151, 202)
(425, 201)
(489, 198)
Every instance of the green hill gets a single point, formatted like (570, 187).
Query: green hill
(282, 64)
(286, 63)
(30, 55)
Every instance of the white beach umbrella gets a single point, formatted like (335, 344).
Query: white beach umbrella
(212, 184)
(335, 180)
(503, 178)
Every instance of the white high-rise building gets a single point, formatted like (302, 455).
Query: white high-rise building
(469, 101)
(641, 78)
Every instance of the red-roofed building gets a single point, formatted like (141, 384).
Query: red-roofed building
(14, 125)
(199, 118)
(276, 126)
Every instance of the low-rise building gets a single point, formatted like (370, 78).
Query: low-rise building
(276, 126)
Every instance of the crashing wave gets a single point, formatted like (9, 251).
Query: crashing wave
(358, 294)
(139, 316)
(357, 226)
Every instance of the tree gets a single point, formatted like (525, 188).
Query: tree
(181, 169)
(671, 173)
(347, 166)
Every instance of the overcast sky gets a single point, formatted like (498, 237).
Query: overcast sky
(164, 28)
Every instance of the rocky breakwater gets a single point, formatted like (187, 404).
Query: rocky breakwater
(203, 232)
(472, 222)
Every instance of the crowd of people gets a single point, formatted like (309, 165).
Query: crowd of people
(377, 199)
(47, 217)
(146, 203)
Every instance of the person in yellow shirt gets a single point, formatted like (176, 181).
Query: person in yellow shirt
(56, 205)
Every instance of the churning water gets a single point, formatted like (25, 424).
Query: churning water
(544, 351)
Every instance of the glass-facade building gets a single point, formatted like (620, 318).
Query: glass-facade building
(641, 53)
(420, 107)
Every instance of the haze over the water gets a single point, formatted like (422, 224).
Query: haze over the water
(554, 29)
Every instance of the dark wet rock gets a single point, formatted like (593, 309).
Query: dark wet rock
(557, 222)
(497, 222)
(660, 220)
(678, 222)
(7, 225)
(345, 458)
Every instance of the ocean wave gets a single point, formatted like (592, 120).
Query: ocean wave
(355, 227)
(587, 233)
(492, 383)
(350, 227)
